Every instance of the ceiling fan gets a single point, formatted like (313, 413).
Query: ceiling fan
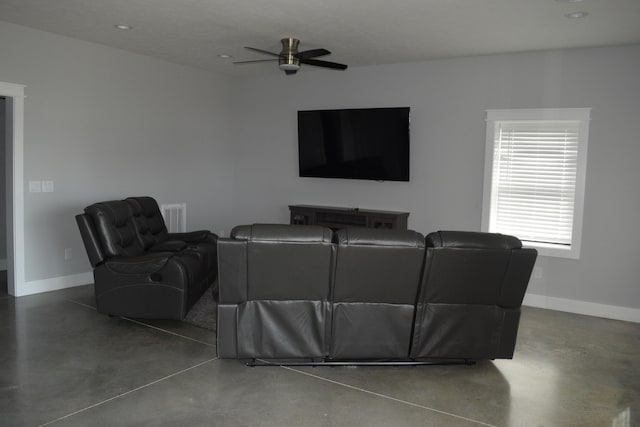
(289, 59)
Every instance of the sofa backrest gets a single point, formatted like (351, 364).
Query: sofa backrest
(148, 219)
(477, 268)
(287, 262)
(472, 288)
(274, 283)
(113, 222)
(376, 282)
(378, 265)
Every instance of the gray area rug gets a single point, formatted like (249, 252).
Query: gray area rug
(204, 312)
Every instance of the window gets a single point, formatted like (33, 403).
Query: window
(534, 177)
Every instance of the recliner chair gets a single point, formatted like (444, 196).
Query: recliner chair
(377, 277)
(469, 304)
(275, 283)
(137, 276)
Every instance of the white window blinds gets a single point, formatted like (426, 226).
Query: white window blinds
(534, 179)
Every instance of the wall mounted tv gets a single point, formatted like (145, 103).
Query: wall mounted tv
(365, 143)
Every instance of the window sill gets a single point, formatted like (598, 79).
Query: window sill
(551, 250)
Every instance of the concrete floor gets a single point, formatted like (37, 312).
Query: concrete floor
(62, 363)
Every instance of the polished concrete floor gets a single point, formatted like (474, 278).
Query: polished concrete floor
(62, 363)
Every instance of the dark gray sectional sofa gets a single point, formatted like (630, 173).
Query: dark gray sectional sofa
(289, 292)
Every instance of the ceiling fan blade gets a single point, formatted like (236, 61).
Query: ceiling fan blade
(313, 53)
(325, 64)
(256, 60)
(262, 51)
(289, 72)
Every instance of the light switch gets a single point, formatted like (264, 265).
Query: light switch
(35, 186)
(47, 186)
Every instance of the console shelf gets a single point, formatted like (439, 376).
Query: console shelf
(337, 217)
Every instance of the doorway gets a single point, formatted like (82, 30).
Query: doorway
(13, 130)
(3, 202)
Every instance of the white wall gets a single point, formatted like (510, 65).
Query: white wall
(105, 124)
(448, 99)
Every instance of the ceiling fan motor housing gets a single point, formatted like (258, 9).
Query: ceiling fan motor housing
(288, 59)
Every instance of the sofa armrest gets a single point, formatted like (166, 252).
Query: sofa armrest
(90, 239)
(143, 264)
(199, 236)
(232, 271)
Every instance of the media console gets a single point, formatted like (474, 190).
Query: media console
(337, 217)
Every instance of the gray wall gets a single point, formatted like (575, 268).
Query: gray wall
(448, 99)
(105, 124)
(3, 184)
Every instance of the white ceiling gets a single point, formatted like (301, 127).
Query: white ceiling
(357, 32)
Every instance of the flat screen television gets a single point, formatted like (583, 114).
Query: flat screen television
(364, 143)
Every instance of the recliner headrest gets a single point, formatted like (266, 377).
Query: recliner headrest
(114, 225)
(282, 233)
(117, 211)
(148, 218)
(379, 237)
(148, 205)
(472, 240)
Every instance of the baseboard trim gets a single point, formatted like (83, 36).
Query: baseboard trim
(56, 283)
(3, 264)
(583, 307)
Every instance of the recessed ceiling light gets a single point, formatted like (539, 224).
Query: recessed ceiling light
(123, 27)
(576, 15)
(224, 56)
(568, 1)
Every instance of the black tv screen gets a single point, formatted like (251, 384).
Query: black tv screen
(368, 143)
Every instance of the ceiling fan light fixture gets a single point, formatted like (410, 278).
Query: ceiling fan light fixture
(576, 15)
(288, 60)
(289, 66)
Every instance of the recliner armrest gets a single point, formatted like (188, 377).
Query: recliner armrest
(199, 236)
(143, 264)
(169, 246)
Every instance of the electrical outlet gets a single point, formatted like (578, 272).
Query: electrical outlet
(537, 272)
(68, 254)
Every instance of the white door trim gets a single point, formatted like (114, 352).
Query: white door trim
(15, 184)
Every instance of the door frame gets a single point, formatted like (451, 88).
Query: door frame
(14, 142)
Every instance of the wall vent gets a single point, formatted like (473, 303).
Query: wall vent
(175, 217)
